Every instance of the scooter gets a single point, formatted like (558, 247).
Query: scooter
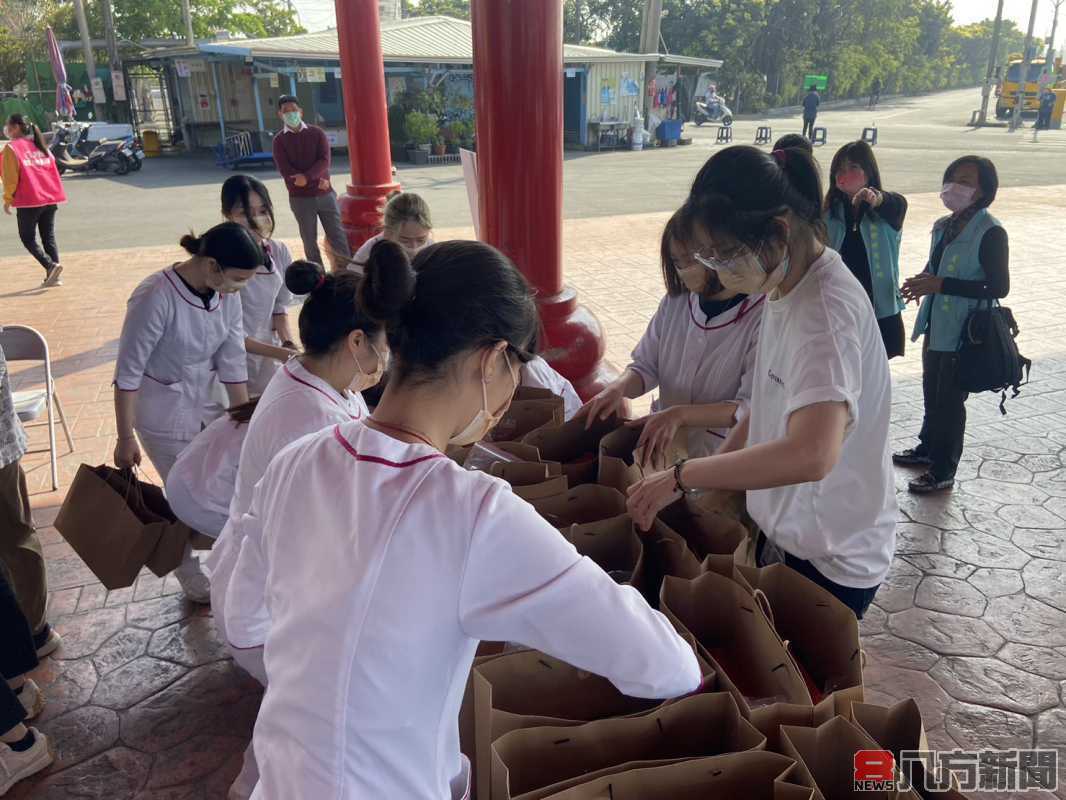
(718, 112)
(107, 156)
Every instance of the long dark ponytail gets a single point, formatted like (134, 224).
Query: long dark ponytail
(26, 128)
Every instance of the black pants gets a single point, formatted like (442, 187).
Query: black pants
(858, 600)
(944, 426)
(808, 127)
(17, 653)
(41, 219)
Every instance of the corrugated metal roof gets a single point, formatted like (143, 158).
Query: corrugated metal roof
(436, 40)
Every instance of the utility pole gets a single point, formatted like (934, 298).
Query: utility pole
(1027, 60)
(118, 81)
(1049, 62)
(993, 57)
(186, 14)
(100, 110)
(649, 43)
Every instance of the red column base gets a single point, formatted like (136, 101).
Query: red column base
(361, 209)
(574, 343)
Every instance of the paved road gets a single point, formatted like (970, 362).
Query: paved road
(918, 138)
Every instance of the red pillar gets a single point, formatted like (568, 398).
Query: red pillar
(366, 117)
(518, 86)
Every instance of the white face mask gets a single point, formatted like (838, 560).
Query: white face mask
(746, 274)
(364, 380)
(264, 225)
(483, 421)
(957, 197)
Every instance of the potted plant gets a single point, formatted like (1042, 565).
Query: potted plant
(438, 145)
(421, 130)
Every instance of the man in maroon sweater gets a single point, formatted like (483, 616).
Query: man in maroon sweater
(302, 154)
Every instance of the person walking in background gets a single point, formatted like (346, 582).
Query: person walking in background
(302, 155)
(875, 93)
(865, 225)
(810, 111)
(32, 187)
(20, 549)
(968, 264)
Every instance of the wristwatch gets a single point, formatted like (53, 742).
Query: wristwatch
(678, 484)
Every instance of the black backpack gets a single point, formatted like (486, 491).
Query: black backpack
(989, 360)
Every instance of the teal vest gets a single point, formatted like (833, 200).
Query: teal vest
(882, 252)
(943, 316)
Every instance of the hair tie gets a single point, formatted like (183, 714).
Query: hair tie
(321, 280)
(781, 157)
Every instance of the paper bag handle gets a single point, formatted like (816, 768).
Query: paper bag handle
(764, 604)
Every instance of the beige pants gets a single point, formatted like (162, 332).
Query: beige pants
(20, 549)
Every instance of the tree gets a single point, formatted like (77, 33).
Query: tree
(460, 9)
(22, 24)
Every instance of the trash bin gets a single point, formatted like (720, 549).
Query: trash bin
(152, 145)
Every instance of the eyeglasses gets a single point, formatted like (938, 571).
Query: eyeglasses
(724, 262)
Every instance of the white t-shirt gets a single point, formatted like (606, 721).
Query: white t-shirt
(370, 569)
(820, 343)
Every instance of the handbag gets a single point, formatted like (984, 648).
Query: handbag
(989, 360)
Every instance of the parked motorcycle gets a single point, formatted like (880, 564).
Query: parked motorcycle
(108, 156)
(715, 112)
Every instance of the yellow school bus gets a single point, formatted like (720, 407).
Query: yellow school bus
(1007, 90)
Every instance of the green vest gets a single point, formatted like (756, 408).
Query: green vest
(943, 316)
(882, 252)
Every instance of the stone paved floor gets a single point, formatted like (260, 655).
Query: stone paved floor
(143, 703)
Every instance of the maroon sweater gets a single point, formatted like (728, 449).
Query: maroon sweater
(304, 152)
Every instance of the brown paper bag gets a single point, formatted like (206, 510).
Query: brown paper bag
(900, 728)
(705, 532)
(535, 763)
(769, 720)
(525, 416)
(534, 393)
(614, 545)
(736, 637)
(580, 505)
(752, 775)
(486, 652)
(620, 466)
(531, 480)
(529, 689)
(574, 447)
(820, 632)
(665, 554)
(825, 759)
(110, 528)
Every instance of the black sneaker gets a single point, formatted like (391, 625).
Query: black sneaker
(928, 483)
(911, 457)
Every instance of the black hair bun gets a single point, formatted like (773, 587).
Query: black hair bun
(303, 277)
(191, 243)
(389, 282)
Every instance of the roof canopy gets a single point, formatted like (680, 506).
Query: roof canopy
(430, 40)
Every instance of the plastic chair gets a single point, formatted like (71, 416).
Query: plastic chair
(22, 343)
(869, 135)
(764, 135)
(819, 137)
(725, 135)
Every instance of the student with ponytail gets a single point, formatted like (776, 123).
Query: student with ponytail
(387, 561)
(812, 454)
(344, 352)
(32, 187)
(182, 327)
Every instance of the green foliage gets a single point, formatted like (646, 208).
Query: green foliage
(22, 24)
(422, 128)
(431, 8)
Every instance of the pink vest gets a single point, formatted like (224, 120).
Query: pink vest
(39, 183)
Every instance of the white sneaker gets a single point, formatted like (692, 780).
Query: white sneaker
(50, 645)
(31, 698)
(15, 766)
(194, 583)
(51, 277)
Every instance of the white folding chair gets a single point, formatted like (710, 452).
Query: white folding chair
(22, 343)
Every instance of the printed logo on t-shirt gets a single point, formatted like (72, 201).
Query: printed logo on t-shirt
(775, 379)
